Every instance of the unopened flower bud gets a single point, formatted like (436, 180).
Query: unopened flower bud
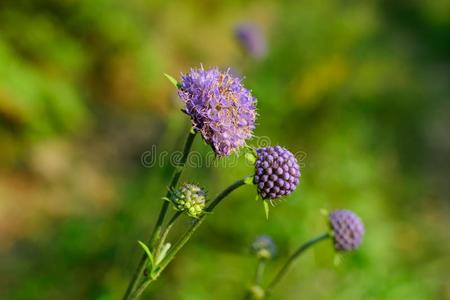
(348, 230)
(263, 247)
(189, 198)
(277, 172)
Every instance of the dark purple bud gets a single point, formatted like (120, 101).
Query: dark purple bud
(285, 165)
(348, 230)
(251, 40)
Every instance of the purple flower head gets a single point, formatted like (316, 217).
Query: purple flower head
(220, 107)
(251, 39)
(348, 230)
(264, 247)
(277, 172)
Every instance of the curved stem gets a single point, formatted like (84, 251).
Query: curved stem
(187, 235)
(293, 257)
(162, 214)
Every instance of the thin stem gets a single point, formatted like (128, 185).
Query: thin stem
(260, 267)
(175, 177)
(162, 214)
(185, 238)
(260, 271)
(293, 257)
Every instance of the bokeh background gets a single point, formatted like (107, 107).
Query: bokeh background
(361, 87)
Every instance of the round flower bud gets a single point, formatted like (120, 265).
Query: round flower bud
(348, 230)
(189, 198)
(263, 247)
(277, 172)
(251, 40)
(220, 107)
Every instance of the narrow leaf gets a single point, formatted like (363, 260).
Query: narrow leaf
(172, 80)
(266, 209)
(147, 251)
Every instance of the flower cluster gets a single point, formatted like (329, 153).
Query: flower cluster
(223, 111)
(277, 172)
(348, 230)
(189, 198)
(220, 107)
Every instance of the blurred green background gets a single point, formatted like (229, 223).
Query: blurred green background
(361, 87)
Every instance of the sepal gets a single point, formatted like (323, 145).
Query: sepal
(173, 81)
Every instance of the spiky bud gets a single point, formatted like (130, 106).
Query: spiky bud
(189, 198)
(277, 172)
(348, 230)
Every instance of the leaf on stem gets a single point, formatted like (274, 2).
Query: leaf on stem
(266, 209)
(172, 80)
(147, 251)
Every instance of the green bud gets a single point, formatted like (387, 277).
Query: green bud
(189, 198)
(257, 292)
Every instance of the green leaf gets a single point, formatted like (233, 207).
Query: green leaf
(266, 209)
(172, 80)
(248, 180)
(147, 251)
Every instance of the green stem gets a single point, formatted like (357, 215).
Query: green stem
(260, 271)
(187, 235)
(162, 214)
(260, 267)
(292, 258)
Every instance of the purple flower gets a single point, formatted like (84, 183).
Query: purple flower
(277, 172)
(348, 230)
(220, 107)
(251, 39)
